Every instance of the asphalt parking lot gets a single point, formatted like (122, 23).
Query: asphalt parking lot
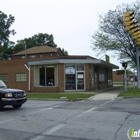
(68, 120)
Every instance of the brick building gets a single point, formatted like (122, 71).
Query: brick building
(47, 69)
(120, 77)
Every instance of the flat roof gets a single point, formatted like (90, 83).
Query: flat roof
(74, 61)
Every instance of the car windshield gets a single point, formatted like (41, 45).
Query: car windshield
(2, 84)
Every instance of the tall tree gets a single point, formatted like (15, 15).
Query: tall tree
(36, 40)
(112, 36)
(5, 32)
(5, 24)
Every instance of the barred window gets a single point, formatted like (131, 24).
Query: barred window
(4, 77)
(20, 77)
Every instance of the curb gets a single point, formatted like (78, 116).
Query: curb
(42, 99)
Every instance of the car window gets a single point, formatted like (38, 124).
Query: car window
(2, 84)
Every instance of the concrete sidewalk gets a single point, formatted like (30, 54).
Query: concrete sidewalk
(107, 95)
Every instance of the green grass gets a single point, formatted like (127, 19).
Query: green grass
(71, 96)
(132, 92)
(121, 83)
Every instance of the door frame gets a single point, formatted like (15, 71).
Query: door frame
(77, 80)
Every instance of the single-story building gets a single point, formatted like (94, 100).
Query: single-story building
(47, 69)
(118, 76)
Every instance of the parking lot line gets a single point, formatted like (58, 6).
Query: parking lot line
(40, 111)
(5, 121)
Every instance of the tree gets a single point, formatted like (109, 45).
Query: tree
(5, 24)
(5, 32)
(6, 50)
(36, 40)
(64, 51)
(112, 36)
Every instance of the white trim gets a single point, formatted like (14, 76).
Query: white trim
(73, 61)
(28, 68)
(76, 81)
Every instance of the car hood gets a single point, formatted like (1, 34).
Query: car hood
(3, 90)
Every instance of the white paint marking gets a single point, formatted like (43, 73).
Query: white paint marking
(38, 138)
(59, 126)
(56, 106)
(48, 132)
(82, 101)
(91, 109)
(40, 111)
(54, 129)
(5, 121)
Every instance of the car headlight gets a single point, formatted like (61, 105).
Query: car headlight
(24, 94)
(8, 95)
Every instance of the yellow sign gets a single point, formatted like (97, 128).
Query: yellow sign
(127, 14)
(107, 58)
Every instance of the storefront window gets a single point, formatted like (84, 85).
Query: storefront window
(101, 74)
(80, 67)
(74, 77)
(45, 75)
(109, 76)
(101, 77)
(70, 77)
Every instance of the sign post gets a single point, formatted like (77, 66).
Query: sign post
(138, 68)
(124, 64)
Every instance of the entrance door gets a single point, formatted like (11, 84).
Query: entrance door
(80, 80)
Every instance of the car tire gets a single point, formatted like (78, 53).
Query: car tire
(1, 105)
(17, 106)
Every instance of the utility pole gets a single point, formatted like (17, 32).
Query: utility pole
(25, 51)
(132, 27)
(124, 64)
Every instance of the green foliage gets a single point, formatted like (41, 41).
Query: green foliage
(5, 32)
(36, 40)
(7, 47)
(132, 92)
(64, 51)
(73, 96)
(5, 24)
(6, 50)
(111, 35)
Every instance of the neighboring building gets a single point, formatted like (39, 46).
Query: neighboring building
(120, 77)
(47, 69)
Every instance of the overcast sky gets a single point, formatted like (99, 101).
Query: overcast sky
(72, 22)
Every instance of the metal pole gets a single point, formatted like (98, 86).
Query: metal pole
(138, 68)
(125, 78)
(25, 51)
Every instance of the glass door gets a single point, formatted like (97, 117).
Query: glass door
(80, 80)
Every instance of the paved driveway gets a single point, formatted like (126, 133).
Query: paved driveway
(64, 120)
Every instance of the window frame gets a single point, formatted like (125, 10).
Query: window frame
(2, 77)
(21, 77)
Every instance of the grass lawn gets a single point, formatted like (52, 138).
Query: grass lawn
(121, 83)
(132, 92)
(69, 96)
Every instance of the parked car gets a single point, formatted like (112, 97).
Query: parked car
(13, 97)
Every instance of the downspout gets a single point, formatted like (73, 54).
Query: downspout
(28, 68)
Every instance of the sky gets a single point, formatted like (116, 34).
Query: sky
(71, 22)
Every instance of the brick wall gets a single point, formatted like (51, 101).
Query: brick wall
(61, 80)
(12, 68)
